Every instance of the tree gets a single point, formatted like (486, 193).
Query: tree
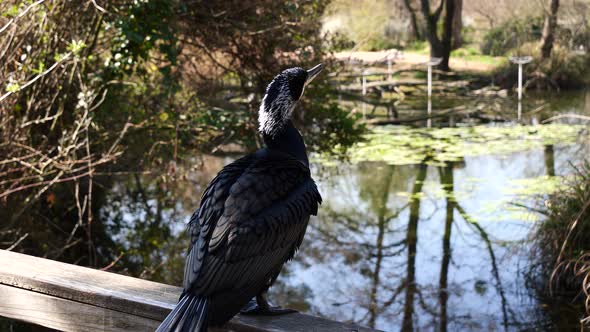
(458, 24)
(439, 47)
(413, 20)
(549, 28)
(91, 90)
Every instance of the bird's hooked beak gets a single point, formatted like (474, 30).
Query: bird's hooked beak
(313, 72)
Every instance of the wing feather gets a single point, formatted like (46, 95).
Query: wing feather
(244, 241)
(205, 218)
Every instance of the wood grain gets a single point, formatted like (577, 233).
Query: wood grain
(67, 315)
(73, 298)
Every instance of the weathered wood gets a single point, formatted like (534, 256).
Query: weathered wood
(400, 83)
(409, 82)
(438, 114)
(73, 298)
(61, 314)
(385, 72)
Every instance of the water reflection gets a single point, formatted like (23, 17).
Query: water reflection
(418, 247)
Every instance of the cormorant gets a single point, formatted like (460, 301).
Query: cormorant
(251, 220)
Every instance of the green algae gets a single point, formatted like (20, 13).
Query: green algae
(542, 185)
(397, 145)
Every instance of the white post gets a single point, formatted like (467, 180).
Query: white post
(429, 81)
(520, 61)
(432, 62)
(429, 121)
(364, 93)
(519, 82)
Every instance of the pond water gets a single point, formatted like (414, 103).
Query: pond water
(420, 229)
(426, 228)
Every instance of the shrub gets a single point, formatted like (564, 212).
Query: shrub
(562, 249)
(566, 69)
(511, 34)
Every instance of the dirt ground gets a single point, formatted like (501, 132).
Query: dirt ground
(409, 59)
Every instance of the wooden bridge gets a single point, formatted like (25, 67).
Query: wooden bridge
(72, 298)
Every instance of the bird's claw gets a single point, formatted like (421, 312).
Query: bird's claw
(270, 311)
(254, 309)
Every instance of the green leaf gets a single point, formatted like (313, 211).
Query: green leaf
(11, 12)
(39, 69)
(75, 46)
(12, 87)
(58, 57)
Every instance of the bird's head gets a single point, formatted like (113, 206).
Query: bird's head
(281, 97)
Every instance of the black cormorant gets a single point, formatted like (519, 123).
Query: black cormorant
(251, 220)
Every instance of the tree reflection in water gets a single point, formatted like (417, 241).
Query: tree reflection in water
(362, 229)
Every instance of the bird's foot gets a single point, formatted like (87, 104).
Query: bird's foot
(270, 311)
(261, 307)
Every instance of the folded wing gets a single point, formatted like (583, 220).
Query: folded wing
(242, 243)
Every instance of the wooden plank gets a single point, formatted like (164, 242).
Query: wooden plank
(67, 315)
(74, 298)
(385, 72)
(109, 290)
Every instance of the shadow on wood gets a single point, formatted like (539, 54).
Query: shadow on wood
(73, 298)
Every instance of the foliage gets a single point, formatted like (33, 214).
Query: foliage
(368, 25)
(565, 69)
(511, 34)
(136, 86)
(418, 46)
(562, 242)
(326, 126)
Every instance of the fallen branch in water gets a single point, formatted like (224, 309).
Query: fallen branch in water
(567, 115)
(382, 72)
(439, 114)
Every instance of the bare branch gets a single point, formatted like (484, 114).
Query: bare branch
(12, 20)
(65, 57)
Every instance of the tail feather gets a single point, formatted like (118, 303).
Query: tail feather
(190, 315)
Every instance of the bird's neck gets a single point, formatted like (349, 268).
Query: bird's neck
(288, 140)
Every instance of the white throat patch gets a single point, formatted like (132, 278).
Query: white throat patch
(272, 118)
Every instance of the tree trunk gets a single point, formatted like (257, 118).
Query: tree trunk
(411, 242)
(447, 182)
(431, 28)
(439, 48)
(549, 29)
(458, 24)
(447, 38)
(413, 20)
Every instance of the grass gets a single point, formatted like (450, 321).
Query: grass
(562, 250)
(418, 47)
(470, 53)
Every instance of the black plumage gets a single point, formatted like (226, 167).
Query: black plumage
(252, 218)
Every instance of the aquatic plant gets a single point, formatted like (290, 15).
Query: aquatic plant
(406, 146)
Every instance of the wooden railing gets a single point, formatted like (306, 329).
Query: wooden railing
(72, 298)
